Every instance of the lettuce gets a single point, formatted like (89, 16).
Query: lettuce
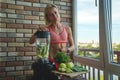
(61, 57)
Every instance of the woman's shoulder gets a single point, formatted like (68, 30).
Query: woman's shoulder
(67, 27)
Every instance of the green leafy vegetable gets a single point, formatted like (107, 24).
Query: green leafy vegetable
(61, 57)
(77, 68)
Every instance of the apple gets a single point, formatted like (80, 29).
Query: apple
(62, 65)
(69, 65)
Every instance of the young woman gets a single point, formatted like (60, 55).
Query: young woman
(61, 35)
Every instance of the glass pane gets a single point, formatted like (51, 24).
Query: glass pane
(115, 77)
(88, 28)
(116, 30)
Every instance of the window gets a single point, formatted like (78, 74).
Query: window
(116, 31)
(98, 21)
(88, 28)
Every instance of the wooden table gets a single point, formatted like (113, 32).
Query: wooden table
(70, 75)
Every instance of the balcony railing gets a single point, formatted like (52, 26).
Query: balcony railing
(97, 74)
(96, 51)
(118, 55)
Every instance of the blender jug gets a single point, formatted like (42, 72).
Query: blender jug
(42, 66)
(42, 44)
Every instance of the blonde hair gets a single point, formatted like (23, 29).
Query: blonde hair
(47, 21)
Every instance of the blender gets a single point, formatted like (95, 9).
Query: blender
(42, 66)
(42, 44)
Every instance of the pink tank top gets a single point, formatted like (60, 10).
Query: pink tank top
(58, 38)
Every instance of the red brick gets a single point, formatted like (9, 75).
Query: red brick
(14, 25)
(20, 12)
(2, 63)
(16, 63)
(10, 49)
(32, 0)
(20, 53)
(24, 49)
(9, 78)
(30, 53)
(3, 5)
(15, 73)
(2, 74)
(31, 26)
(32, 17)
(66, 0)
(28, 72)
(28, 77)
(31, 8)
(7, 40)
(15, 7)
(42, 9)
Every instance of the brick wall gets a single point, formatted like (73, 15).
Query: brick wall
(18, 21)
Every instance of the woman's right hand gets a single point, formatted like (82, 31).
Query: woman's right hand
(43, 28)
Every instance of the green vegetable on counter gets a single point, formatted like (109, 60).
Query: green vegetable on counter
(77, 68)
(61, 57)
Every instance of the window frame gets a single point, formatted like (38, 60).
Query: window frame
(112, 67)
(84, 60)
(104, 40)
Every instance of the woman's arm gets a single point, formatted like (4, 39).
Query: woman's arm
(33, 38)
(69, 48)
(70, 39)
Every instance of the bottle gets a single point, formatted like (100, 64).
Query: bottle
(42, 44)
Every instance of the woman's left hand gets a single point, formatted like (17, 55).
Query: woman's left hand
(63, 49)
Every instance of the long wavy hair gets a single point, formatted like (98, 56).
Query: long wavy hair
(47, 21)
